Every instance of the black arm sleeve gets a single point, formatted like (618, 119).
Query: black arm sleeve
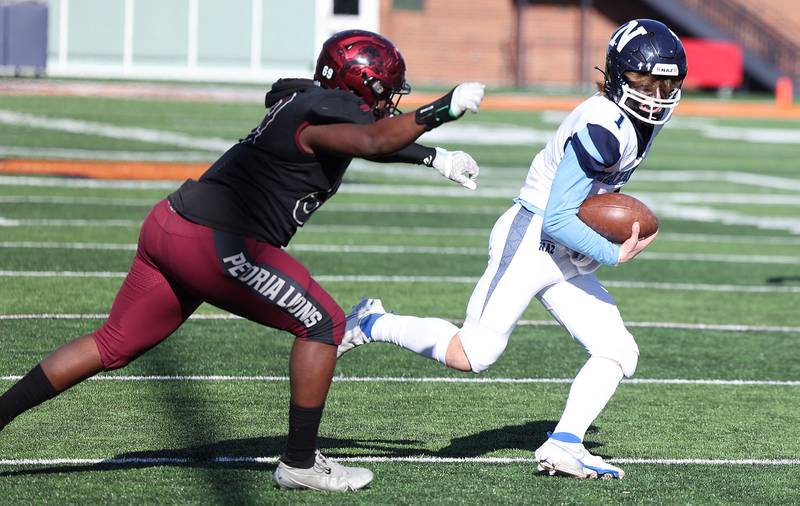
(413, 153)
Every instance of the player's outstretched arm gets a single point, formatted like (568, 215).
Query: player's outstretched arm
(457, 166)
(389, 135)
(633, 246)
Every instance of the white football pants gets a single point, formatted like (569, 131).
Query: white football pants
(523, 265)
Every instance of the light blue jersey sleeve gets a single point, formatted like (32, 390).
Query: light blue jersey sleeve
(571, 185)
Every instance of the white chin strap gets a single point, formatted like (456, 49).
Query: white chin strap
(653, 110)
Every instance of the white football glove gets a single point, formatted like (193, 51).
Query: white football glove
(466, 96)
(456, 166)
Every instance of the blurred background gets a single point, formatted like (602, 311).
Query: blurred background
(732, 45)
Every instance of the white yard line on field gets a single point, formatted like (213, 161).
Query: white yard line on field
(114, 132)
(743, 178)
(516, 135)
(437, 250)
(405, 231)
(508, 193)
(713, 257)
(672, 198)
(389, 170)
(64, 182)
(106, 155)
(522, 323)
(109, 202)
(422, 459)
(677, 212)
(334, 207)
(420, 250)
(81, 223)
(62, 274)
(485, 134)
(509, 190)
(408, 379)
(652, 199)
(702, 287)
(493, 178)
(705, 214)
(728, 239)
(98, 246)
(613, 284)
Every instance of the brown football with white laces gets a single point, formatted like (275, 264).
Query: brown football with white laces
(613, 214)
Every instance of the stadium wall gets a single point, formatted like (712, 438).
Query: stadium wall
(479, 40)
(558, 41)
(224, 40)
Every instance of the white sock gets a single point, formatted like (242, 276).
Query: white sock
(428, 337)
(591, 390)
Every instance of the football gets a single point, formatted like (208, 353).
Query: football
(612, 215)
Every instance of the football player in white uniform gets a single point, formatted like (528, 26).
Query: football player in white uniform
(539, 248)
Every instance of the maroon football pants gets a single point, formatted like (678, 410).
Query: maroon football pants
(180, 264)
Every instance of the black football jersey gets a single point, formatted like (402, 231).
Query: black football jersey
(265, 186)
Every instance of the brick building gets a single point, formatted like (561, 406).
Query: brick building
(500, 42)
(538, 42)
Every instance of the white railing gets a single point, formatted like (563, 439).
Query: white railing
(324, 24)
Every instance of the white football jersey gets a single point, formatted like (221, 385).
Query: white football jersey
(596, 110)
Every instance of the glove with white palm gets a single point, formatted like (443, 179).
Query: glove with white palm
(456, 166)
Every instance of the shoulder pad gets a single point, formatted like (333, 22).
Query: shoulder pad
(596, 148)
(285, 87)
(338, 106)
(607, 114)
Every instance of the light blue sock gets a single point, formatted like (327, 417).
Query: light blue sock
(565, 437)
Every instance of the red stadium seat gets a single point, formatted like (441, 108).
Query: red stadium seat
(713, 64)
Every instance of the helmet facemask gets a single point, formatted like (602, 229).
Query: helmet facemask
(386, 101)
(648, 98)
(645, 67)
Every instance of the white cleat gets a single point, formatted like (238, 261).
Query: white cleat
(353, 335)
(325, 475)
(572, 459)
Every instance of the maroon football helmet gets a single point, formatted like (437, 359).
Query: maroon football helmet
(366, 64)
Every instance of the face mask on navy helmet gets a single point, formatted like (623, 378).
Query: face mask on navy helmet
(646, 47)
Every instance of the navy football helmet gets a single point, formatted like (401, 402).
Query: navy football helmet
(366, 64)
(644, 46)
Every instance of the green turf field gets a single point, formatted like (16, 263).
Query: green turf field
(711, 416)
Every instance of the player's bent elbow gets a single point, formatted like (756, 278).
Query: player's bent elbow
(552, 225)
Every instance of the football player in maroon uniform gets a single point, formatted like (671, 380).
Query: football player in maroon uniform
(219, 239)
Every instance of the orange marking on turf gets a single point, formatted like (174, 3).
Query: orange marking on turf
(105, 169)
